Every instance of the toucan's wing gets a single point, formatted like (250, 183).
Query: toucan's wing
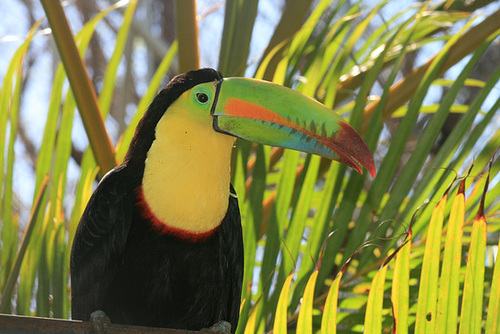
(99, 241)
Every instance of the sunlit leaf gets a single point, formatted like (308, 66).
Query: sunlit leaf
(427, 301)
(472, 301)
(304, 323)
(400, 292)
(280, 320)
(373, 316)
(447, 308)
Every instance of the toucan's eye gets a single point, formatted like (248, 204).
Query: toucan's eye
(202, 97)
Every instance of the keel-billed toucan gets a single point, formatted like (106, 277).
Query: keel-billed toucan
(160, 243)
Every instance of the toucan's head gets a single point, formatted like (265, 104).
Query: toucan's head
(254, 110)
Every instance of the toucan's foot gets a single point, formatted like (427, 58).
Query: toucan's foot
(222, 327)
(100, 322)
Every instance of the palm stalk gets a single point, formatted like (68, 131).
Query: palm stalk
(187, 35)
(81, 86)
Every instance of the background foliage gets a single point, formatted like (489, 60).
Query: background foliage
(411, 250)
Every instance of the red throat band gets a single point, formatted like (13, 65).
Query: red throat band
(164, 228)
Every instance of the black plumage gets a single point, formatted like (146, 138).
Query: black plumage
(122, 264)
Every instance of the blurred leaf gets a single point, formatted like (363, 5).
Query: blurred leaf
(106, 96)
(464, 45)
(146, 99)
(235, 44)
(432, 109)
(8, 287)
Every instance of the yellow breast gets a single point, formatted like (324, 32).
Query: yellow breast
(187, 172)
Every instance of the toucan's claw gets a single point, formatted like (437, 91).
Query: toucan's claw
(100, 322)
(222, 327)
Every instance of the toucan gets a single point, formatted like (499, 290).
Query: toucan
(160, 241)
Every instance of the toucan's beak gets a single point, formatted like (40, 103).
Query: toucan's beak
(271, 114)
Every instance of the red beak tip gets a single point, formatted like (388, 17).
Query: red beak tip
(354, 150)
(370, 167)
(372, 170)
(369, 164)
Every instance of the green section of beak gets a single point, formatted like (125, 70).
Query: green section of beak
(271, 114)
